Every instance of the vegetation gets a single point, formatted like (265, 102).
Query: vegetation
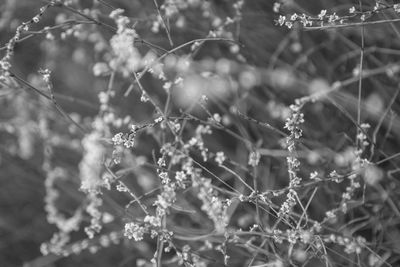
(199, 133)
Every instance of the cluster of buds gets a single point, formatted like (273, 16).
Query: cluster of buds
(325, 19)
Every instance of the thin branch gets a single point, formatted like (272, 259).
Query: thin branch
(50, 98)
(164, 23)
(360, 82)
(358, 24)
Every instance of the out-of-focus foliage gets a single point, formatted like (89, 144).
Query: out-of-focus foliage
(199, 133)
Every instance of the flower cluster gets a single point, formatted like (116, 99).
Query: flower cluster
(126, 58)
(90, 167)
(5, 64)
(293, 125)
(324, 19)
(134, 231)
(352, 245)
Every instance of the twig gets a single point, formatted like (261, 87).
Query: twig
(51, 98)
(360, 85)
(358, 24)
(143, 72)
(164, 23)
